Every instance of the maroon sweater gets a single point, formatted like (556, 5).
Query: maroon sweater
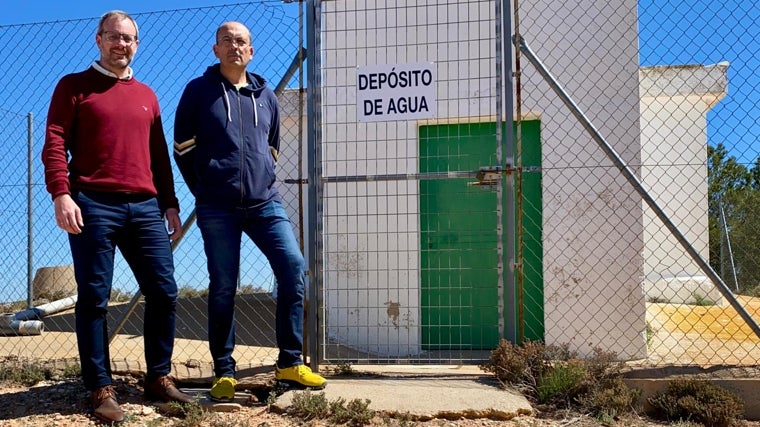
(112, 130)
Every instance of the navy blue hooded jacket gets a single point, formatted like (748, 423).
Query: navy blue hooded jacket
(226, 140)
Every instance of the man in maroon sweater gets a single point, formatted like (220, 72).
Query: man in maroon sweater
(107, 169)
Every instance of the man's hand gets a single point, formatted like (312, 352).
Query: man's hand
(175, 224)
(68, 216)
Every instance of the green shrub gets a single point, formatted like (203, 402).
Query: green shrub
(309, 406)
(561, 383)
(521, 366)
(356, 413)
(191, 414)
(699, 401)
(30, 372)
(611, 400)
(338, 411)
(359, 412)
(344, 368)
(702, 301)
(27, 374)
(650, 333)
(71, 371)
(555, 375)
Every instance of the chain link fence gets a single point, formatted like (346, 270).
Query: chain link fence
(636, 137)
(591, 220)
(175, 46)
(598, 189)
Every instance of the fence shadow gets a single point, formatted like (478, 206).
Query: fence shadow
(254, 313)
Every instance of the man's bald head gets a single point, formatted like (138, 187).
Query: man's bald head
(233, 27)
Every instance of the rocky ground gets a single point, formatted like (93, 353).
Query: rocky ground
(64, 403)
(61, 400)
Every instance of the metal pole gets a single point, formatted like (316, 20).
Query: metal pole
(301, 58)
(510, 331)
(638, 186)
(314, 166)
(728, 245)
(519, 265)
(295, 65)
(29, 220)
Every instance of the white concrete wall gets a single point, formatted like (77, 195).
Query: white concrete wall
(674, 105)
(593, 236)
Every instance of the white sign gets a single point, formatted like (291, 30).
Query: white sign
(395, 92)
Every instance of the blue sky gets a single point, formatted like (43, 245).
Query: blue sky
(24, 12)
(672, 32)
(707, 32)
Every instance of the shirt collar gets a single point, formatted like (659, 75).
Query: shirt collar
(96, 65)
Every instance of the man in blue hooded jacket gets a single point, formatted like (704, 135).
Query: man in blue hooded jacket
(226, 142)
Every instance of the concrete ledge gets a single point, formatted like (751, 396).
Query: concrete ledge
(683, 290)
(707, 81)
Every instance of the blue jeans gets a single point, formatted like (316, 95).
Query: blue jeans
(270, 229)
(135, 225)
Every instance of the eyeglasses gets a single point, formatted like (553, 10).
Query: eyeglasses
(229, 41)
(114, 37)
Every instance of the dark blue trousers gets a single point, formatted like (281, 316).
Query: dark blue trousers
(270, 229)
(134, 224)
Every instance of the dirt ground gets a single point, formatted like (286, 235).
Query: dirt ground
(64, 403)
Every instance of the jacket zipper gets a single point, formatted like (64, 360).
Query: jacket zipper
(242, 148)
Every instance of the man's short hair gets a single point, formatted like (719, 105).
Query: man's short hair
(117, 14)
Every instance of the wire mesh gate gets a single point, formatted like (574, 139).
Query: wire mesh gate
(413, 203)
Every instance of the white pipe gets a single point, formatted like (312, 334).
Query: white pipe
(23, 327)
(46, 309)
(10, 326)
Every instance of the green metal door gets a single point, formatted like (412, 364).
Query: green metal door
(458, 222)
(530, 304)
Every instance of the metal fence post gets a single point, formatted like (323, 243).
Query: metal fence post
(29, 220)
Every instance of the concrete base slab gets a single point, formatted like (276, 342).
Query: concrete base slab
(424, 398)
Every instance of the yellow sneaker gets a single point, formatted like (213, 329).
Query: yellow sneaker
(300, 375)
(223, 389)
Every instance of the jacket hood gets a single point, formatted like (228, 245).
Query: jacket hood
(256, 85)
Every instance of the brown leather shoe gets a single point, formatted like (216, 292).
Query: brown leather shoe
(104, 405)
(164, 389)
